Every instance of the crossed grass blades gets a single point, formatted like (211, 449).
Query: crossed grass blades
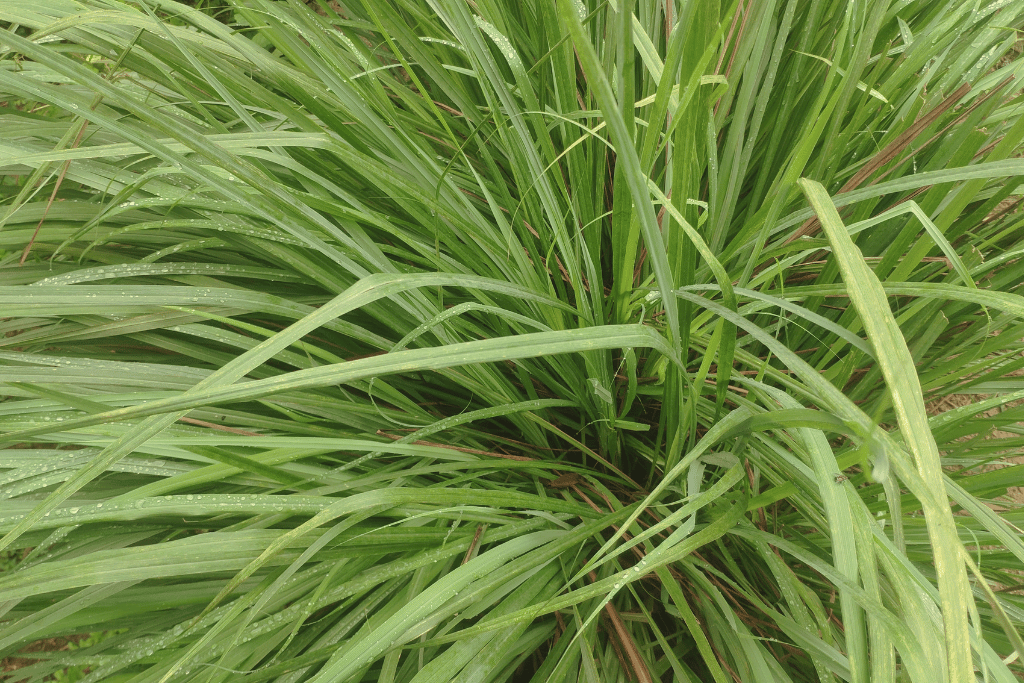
(564, 340)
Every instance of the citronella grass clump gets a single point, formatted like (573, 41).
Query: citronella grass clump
(511, 340)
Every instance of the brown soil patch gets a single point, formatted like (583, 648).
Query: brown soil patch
(24, 658)
(1014, 493)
